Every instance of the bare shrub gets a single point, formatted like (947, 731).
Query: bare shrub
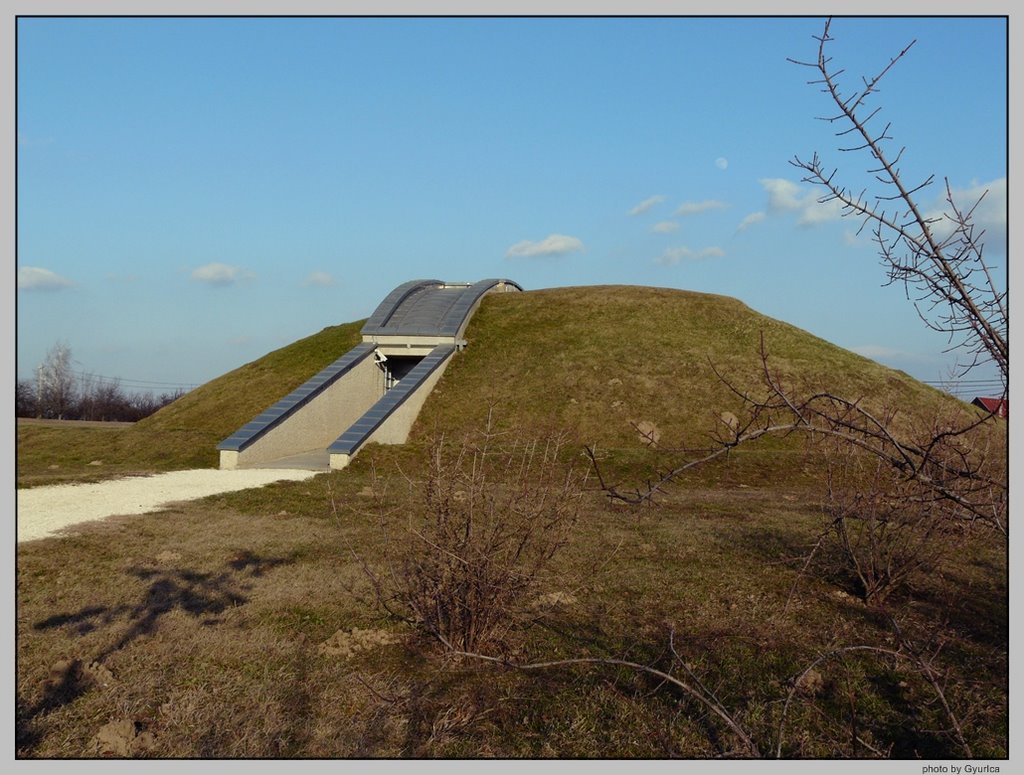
(483, 529)
(884, 531)
(918, 659)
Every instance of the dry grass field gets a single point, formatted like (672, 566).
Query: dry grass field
(720, 622)
(245, 625)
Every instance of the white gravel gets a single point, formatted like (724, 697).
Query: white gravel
(45, 511)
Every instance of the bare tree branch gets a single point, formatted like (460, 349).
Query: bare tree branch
(940, 270)
(946, 463)
(693, 688)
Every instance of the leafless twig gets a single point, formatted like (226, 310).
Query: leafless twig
(947, 278)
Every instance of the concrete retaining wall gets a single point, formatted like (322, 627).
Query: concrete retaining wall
(396, 427)
(319, 422)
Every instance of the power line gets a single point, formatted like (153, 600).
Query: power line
(964, 382)
(134, 382)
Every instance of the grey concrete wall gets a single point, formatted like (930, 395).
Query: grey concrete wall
(408, 345)
(339, 460)
(395, 429)
(317, 424)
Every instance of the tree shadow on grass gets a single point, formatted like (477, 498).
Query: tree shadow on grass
(67, 683)
(976, 612)
(203, 596)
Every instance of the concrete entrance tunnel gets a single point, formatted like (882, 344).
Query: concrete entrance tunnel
(375, 391)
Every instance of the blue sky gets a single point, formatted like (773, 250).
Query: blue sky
(194, 193)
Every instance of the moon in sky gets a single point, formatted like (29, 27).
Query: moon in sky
(721, 162)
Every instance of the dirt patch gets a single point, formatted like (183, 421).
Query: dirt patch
(72, 673)
(120, 739)
(554, 600)
(347, 644)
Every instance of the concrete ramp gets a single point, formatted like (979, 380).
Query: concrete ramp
(390, 419)
(375, 391)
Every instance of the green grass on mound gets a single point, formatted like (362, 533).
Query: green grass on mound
(599, 360)
(593, 360)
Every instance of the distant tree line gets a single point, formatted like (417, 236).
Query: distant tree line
(57, 393)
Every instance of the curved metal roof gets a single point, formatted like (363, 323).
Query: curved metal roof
(429, 307)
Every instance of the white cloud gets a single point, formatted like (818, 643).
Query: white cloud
(722, 163)
(219, 274)
(35, 278)
(820, 212)
(647, 204)
(992, 209)
(665, 227)
(989, 215)
(851, 239)
(750, 220)
(552, 245)
(693, 208)
(673, 256)
(783, 195)
(319, 279)
(786, 196)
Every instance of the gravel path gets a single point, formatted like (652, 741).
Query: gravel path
(45, 511)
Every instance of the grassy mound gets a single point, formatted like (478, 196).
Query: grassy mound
(602, 360)
(596, 360)
(220, 407)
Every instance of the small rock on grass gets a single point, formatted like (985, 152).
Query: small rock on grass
(649, 432)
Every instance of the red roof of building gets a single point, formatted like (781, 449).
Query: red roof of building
(1000, 407)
